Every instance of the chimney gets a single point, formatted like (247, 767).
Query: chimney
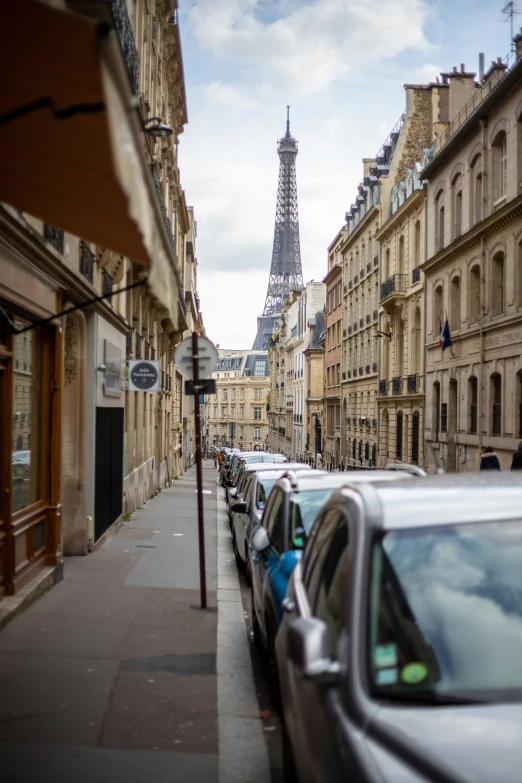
(496, 66)
(462, 87)
(366, 165)
(518, 43)
(481, 66)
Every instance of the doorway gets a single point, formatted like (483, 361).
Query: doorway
(108, 489)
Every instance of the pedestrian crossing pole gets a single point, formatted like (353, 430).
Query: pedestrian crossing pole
(199, 475)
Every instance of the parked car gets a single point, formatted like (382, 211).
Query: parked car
(402, 466)
(399, 654)
(249, 458)
(253, 489)
(277, 543)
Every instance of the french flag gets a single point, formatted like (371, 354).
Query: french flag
(445, 337)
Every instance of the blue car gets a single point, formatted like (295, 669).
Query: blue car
(277, 543)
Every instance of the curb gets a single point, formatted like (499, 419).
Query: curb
(13, 605)
(243, 754)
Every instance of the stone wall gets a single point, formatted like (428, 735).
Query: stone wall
(419, 132)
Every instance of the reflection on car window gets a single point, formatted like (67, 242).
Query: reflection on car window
(275, 520)
(304, 507)
(248, 488)
(264, 487)
(446, 609)
(332, 588)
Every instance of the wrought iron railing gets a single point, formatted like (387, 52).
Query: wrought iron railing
(415, 274)
(383, 387)
(54, 236)
(86, 262)
(126, 35)
(394, 284)
(413, 384)
(397, 385)
(107, 283)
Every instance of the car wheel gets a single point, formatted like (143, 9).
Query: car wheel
(236, 551)
(289, 768)
(255, 625)
(248, 566)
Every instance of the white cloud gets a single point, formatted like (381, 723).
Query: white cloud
(312, 45)
(225, 95)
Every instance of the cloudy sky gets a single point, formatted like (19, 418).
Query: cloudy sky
(341, 65)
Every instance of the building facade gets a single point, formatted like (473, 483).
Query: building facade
(474, 271)
(78, 449)
(333, 355)
(237, 414)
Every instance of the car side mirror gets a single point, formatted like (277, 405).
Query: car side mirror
(289, 560)
(309, 649)
(261, 540)
(239, 508)
(232, 492)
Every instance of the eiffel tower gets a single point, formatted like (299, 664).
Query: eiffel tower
(286, 274)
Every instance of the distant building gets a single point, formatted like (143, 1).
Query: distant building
(237, 414)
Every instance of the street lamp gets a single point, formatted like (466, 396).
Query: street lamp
(155, 127)
(381, 334)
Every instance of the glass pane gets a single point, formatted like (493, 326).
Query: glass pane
(27, 404)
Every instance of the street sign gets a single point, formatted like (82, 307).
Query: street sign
(207, 386)
(143, 375)
(206, 353)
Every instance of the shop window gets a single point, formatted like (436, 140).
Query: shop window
(27, 408)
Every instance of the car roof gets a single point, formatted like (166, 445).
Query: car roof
(278, 467)
(341, 479)
(447, 499)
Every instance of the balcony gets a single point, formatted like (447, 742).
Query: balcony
(393, 288)
(54, 236)
(107, 283)
(126, 36)
(415, 275)
(383, 387)
(86, 262)
(397, 385)
(413, 384)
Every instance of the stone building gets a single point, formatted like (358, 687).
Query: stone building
(370, 276)
(66, 236)
(237, 414)
(315, 385)
(474, 270)
(332, 354)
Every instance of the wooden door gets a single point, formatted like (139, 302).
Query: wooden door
(108, 492)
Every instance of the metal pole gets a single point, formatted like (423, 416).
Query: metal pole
(199, 474)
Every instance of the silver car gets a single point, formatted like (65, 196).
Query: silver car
(253, 491)
(400, 655)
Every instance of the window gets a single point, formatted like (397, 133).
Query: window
(497, 281)
(417, 243)
(257, 413)
(496, 394)
(416, 340)
(437, 310)
(275, 520)
(458, 212)
(436, 406)
(241, 412)
(257, 394)
(331, 584)
(455, 303)
(400, 268)
(399, 365)
(519, 270)
(224, 394)
(503, 167)
(441, 229)
(474, 294)
(257, 433)
(259, 367)
(479, 195)
(386, 270)
(519, 402)
(415, 429)
(473, 404)
(499, 161)
(399, 435)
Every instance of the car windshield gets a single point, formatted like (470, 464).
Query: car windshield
(446, 613)
(304, 507)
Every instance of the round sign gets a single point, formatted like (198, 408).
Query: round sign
(207, 357)
(144, 375)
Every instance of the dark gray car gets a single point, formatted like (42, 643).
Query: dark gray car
(400, 655)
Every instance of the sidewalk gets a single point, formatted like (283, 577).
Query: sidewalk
(111, 676)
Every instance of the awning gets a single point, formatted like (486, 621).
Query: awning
(78, 161)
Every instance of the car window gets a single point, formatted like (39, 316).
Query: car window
(322, 532)
(331, 584)
(269, 506)
(304, 507)
(264, 487)
(275, 519)
(247, 489)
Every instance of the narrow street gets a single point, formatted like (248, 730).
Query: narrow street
(116, 674)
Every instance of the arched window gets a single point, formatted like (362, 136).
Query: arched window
(499, 161)
(458, 211)
(399, 435)
(455, 303)
(386, 265)
(474, 294)
(438, 305)
(436, 406)
(415, 431)
(417, 243)
(496, 397)
(400, 265)
(473, 404)
(478, 196)
(416, 343)
(441, 228)
(497, 283)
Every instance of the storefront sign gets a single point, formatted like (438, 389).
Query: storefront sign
(113, 361)
(143, 375)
